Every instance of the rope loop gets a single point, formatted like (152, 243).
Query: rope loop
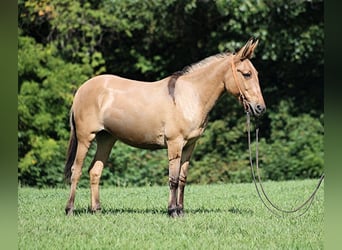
(276, 210)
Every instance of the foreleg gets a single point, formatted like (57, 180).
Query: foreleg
(186, 155)
(174, 155)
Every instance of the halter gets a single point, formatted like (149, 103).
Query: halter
(242, 97)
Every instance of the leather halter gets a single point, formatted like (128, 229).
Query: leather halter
(242, 97)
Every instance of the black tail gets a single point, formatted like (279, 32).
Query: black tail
(71, 153)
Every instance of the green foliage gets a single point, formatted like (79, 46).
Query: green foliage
(46, 85)
(219, 155)
(62, 43)
(295, 149)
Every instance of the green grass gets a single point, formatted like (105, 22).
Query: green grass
(226, 216)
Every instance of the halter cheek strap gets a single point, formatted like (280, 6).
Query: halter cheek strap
(242, 97)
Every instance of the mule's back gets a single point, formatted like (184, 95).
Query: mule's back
(132, 111)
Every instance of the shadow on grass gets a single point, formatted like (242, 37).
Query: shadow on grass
(234, 210)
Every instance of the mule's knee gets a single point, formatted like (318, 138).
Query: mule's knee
(94, 178)
(95, 172)
(182, 181)
(173, 182)
(75, 174)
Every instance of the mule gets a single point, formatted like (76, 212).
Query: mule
(171, 114)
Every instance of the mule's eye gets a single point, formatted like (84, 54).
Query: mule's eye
(247, 74)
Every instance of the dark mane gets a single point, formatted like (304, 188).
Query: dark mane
(188, 69)
(172, 84)
(204, 62)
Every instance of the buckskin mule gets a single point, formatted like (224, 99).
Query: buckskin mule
(171, 113)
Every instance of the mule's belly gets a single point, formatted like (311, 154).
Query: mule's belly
(137, 129)
(146, 145)
(138, 137)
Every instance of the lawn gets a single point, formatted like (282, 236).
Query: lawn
(226, 216)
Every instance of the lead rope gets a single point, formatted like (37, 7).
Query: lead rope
(275, 208)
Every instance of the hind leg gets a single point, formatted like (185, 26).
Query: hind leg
(105, 142)
(82, 149)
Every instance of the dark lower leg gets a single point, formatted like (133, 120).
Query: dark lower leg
(180, 202)
(172, 207)
(182, 177)
(174, 155)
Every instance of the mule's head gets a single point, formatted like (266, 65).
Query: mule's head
(242, 80)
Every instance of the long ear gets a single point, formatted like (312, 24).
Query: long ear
(247, 50)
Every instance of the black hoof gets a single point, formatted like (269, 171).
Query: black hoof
(180, 212)
(173, 212)
(69, 211)
(95, 210)
(176, 212)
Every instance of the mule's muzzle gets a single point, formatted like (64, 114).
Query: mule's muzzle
(256, 110)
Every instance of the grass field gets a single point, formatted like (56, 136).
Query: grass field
(228, 216)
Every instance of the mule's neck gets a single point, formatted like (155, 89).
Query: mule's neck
(208, 82)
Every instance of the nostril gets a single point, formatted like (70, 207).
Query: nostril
(260, 108)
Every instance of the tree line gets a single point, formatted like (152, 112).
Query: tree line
(62, 43)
